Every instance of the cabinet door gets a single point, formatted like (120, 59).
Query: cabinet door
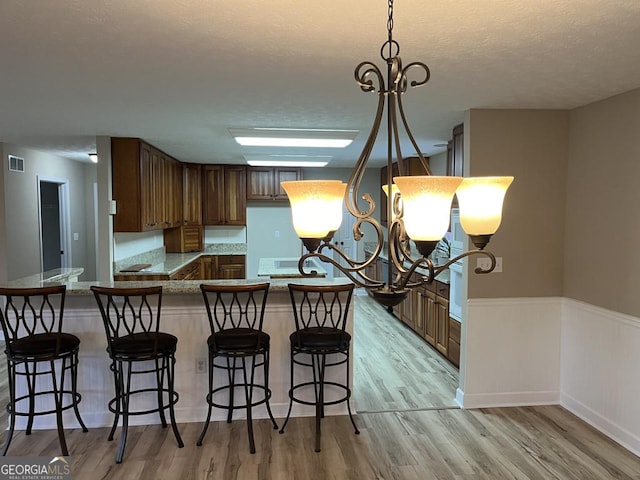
(208, 267)
(191, 194)
(430, 318)
(284, 175)
(259, 183)
(147, 193)
(231, 267)
(442, 325)
(213, 194)
(235, 195)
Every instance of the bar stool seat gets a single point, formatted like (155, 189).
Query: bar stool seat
(148, 345)
(36, 347)
(41, 346)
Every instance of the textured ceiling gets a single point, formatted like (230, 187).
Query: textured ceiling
(179, 73)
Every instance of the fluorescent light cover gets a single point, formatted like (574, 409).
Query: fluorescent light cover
(278, 137)
(256, 160)
(281, 163)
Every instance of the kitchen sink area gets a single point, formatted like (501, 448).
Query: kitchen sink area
(288, 268)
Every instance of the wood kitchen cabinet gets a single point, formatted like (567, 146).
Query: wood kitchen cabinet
(147, 187)
(224, 195)
(223, 267)
(263, 183)
(187, 238)
(191, 194)
(453, 350)
(426, 312)
(188, 272)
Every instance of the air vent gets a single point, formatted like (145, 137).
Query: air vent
(16, 164)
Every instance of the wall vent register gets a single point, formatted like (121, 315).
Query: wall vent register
(16, 164)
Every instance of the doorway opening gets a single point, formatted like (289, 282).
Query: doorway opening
(54, 222)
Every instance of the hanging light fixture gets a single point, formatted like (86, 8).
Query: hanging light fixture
(419, 207)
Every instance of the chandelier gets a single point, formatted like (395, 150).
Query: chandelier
(418, 209)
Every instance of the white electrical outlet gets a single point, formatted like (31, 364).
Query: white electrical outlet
(277, 234)
(485, 264)
(201, 365)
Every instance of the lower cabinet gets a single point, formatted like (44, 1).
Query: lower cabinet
(453, 352)
(188, 272)
(223, 267)
(426, 312)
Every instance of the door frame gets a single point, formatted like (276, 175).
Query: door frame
(65, 219)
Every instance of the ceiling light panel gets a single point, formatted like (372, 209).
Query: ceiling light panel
(292, 138)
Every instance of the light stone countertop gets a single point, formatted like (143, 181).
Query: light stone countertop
(287, 267)
(50, 277)
(172, 262)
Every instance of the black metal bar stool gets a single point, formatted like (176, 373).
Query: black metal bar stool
(320, 342)
(131, 319)
(32, 324)
(236, 314)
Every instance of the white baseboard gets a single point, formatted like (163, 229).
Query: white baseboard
(617, 433)
(513, 399)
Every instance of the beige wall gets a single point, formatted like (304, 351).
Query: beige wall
(21, 210)
(532, 146)
(602, 260)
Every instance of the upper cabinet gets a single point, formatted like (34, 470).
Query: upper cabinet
(192, 194)
(224, 195)
(263, 183)
(147, 187)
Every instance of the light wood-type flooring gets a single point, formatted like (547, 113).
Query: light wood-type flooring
(409, 430)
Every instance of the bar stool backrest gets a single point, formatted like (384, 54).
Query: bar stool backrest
(30, 311)
(126, 311)
(235, 306)
(324, 306)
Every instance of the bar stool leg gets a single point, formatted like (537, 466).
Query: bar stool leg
(12, 405)
(160, 385)
(248, 395)
(117, 377)
(231, 371)
(286, 420)
(125, 414)
(209, 401)
(353, 422)
(265, 363)
(74, 391)
(31, 387)
(57, 395)
(170, 371)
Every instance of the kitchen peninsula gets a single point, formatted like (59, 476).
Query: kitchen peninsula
(183, 315)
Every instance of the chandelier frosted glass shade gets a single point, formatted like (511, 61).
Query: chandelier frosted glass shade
(480, 200)
(426, 202)
(316, 206)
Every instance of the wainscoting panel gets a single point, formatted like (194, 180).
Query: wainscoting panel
(600, 363)
(512, 352)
